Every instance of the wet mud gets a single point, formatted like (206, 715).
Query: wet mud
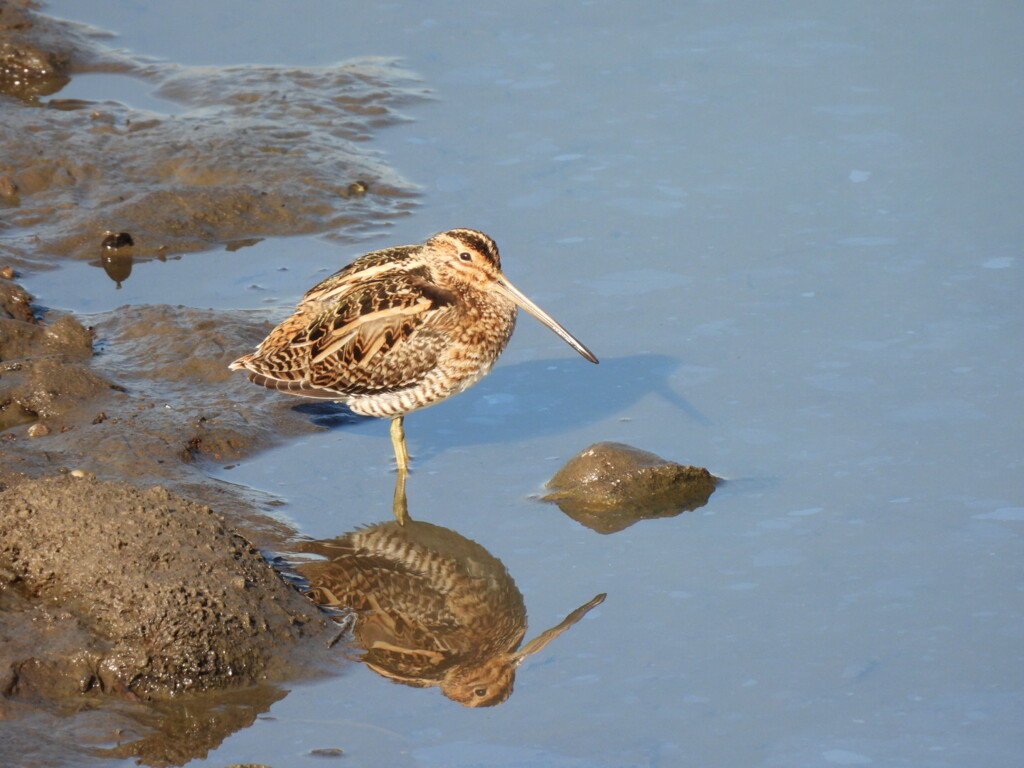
(165, 596)
(35, 58)
(136, 622)
(142, 393)
(140, 618)
(253, 151)
(610, 486)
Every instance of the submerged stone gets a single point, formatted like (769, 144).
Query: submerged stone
(609, 486)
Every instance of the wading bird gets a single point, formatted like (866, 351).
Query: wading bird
(398, 330)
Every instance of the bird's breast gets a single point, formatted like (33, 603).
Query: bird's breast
(484, 328)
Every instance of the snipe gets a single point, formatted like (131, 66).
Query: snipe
(398, 330)
(429, 608)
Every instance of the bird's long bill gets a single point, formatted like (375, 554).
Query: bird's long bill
(505, 288)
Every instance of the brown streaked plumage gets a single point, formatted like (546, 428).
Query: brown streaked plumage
(429, 608)
(398, 330)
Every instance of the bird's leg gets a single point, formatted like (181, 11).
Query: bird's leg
(401, 506)
(398, 441)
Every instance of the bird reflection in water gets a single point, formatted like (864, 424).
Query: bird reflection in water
(429, 608)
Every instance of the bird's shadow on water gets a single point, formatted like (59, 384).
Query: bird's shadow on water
(530, 399)
(329, 414)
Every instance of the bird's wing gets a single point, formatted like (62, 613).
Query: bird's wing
(370, 266)
(368, 335)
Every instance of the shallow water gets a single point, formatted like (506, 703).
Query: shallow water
(791, 234)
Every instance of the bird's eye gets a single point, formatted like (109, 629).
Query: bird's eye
(465, 256)
(481, 692)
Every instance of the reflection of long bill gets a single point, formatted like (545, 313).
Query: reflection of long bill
(509, 291)
(548, 635)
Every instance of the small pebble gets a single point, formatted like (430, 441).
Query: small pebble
(38, 430)
(112, 240)
(7, 272)
(326, 752)
(8, 187)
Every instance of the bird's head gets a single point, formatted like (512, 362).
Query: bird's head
(469, 258)
(464, 256)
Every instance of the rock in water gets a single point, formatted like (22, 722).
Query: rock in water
(610, 486)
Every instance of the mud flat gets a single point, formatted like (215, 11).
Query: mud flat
(155, 593)
(129, 609)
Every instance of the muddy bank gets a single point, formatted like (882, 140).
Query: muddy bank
(35, 59)
(254, 151)
(108, 590)
(110, 559)
(130, 613)
(142, 393)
